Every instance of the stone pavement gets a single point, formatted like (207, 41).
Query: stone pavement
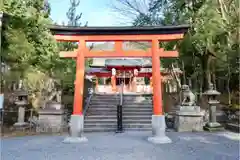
(125, 146)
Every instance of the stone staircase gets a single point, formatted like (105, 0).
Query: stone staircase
(102, 113)
(137, 112)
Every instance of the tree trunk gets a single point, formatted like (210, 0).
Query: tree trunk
(213, 76)
(206, 59)
(184, 73)
(228, 82)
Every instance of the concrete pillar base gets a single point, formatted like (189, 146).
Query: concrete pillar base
(159, 140)
(158, 130)
(213, 126)
(76, 130)
(20, 125)
(75, 140)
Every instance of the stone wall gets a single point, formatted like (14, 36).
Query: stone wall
(51, 118)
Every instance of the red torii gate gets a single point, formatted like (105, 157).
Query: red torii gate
(118, 35)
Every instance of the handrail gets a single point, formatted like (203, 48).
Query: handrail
(87, 104)
(121, 95)
(119, 113)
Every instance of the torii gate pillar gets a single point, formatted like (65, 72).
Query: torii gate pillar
(158, 119)
(77, 118)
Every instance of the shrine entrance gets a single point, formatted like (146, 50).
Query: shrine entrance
(118, 35)
(125, 81)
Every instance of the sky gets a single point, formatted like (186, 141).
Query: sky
(96, 12)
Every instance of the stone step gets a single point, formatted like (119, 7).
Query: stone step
(124, 109)
(103, 111)
(101, 125)
(147, 105)
(115, 106)
(118, 98)
(105, 98)
(137, 129)
(101, 117)
(114, 113)
(130, 117)
(135, 97)
(114, 121)
(99, 129)
(137, 107)
(136, 103)
(137, 114)
(139, 121)
(114, 126)
(89, 130)
(136, 117)
(100, 120)
(106, 113)
(234, 127)
(101, 114)
(144, 96)
(103, 105)
(134, 125)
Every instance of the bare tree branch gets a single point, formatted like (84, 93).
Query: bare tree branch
(130, 9)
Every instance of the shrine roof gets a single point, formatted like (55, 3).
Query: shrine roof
(127, 62)
(147, 70)
(96, 70)
(123, 62)
(128, 30)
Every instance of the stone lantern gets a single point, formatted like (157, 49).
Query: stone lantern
(212, 124)
(21, 102)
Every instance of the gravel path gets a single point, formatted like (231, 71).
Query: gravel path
(125, 146)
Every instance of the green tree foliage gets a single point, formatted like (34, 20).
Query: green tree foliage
(26, 39)
(30, 50)
(210, 49)
(74, 19)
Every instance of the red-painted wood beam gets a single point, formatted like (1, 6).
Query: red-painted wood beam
(92, 38)
(68, 54)
(156, 77)
(79, 82)
(103, 54)
(118, 46)
(169, 54)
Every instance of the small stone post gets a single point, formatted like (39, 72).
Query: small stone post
(212, 125)
(21, 103)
